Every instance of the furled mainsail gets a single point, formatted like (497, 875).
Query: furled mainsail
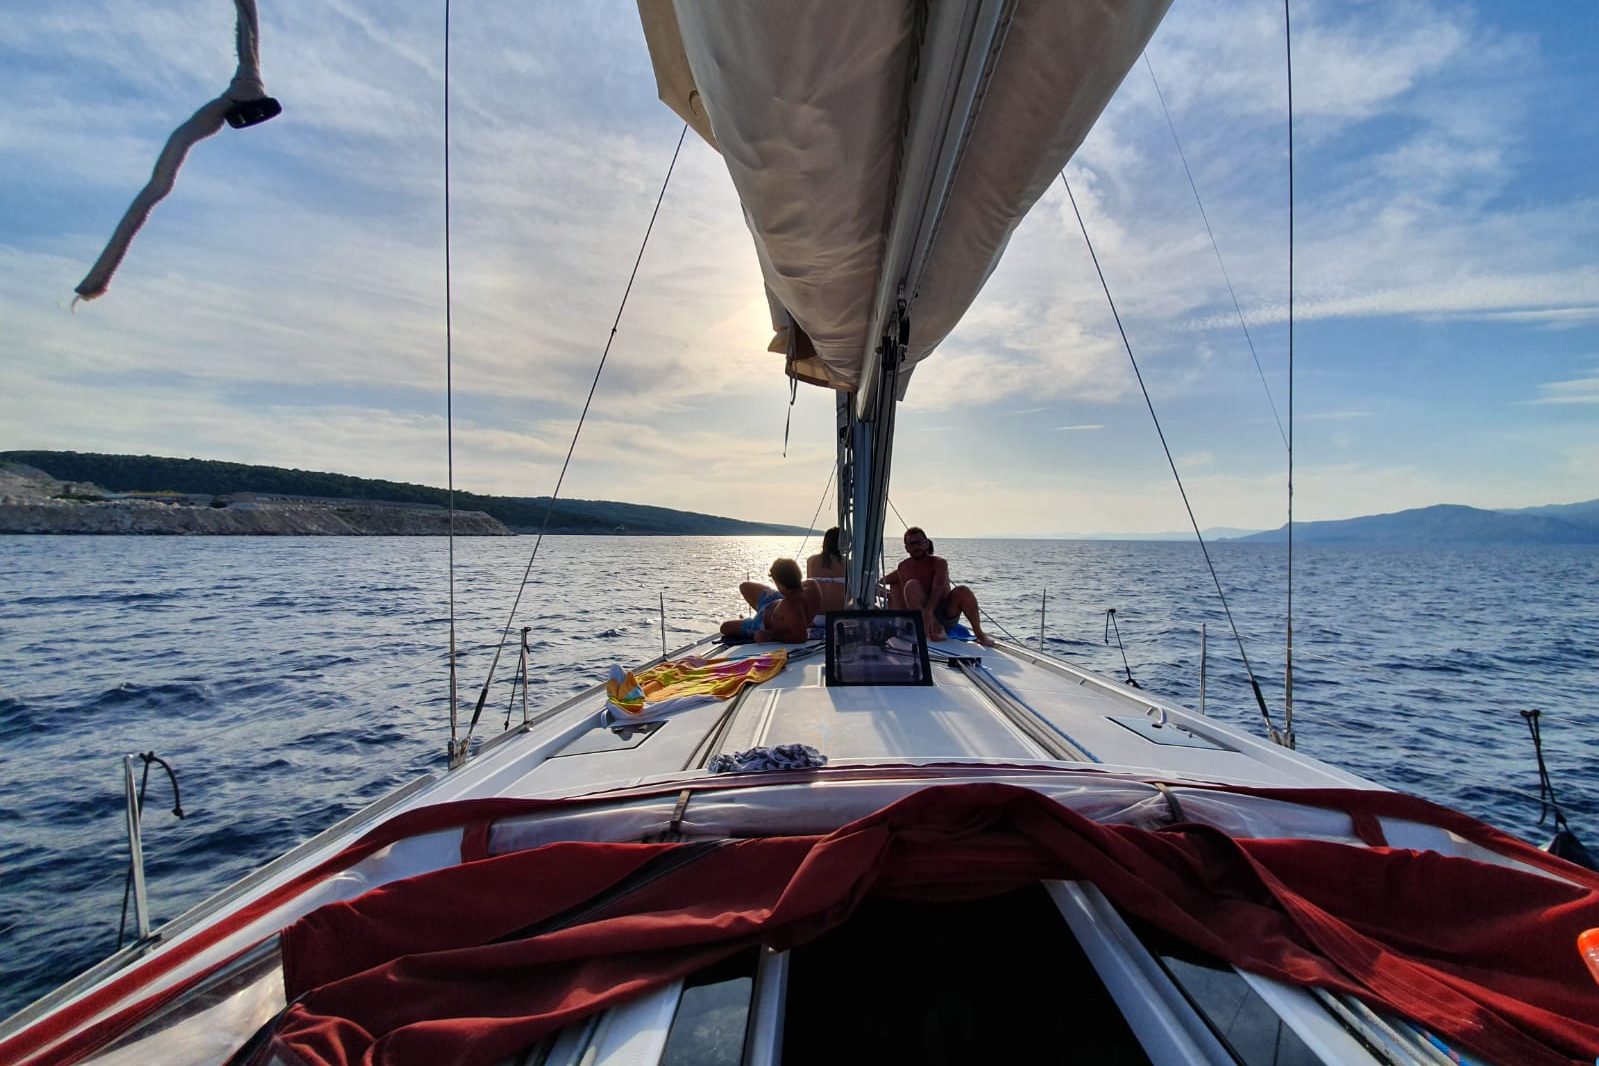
(884, 151)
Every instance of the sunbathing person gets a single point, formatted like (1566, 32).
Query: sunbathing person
(921, 583)
(781, 614)
(826, 571)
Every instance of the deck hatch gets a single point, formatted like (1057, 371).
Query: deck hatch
(602, 738)
(877, 648)
(1170, 734)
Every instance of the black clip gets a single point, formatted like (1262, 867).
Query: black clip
(253, 112)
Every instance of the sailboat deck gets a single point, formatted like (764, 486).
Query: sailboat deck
(1001, 705)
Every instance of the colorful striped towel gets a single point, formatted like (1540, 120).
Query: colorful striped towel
(677, 684)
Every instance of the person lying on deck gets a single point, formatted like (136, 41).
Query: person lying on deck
(781, 614)
(921, 583)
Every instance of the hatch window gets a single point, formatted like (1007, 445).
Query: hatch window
(708, 1029)
(877, 648)
(1246, 1025)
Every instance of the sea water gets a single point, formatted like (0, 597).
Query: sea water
(290, 681)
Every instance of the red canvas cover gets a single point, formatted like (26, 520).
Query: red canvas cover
(473, 963)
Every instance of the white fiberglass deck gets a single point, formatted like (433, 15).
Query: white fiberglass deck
(1012, 707)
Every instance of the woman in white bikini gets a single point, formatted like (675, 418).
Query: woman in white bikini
(826, 568)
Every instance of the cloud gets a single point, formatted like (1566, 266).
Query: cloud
(1333, 416)
(288, 298)
(1584, 390)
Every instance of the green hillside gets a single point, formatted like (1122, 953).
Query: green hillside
(150, 473)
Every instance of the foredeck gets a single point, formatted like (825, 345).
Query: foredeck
(1000, 716)
(997, 705)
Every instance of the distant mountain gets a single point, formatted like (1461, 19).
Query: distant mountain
(1579, 513)
(149, 473)
(1447, 523)
(1213, 533)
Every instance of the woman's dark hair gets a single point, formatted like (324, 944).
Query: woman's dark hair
(831, 556)
(786, 573)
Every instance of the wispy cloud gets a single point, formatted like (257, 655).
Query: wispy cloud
(1583, 390)
(286, 303)
(1333, 416)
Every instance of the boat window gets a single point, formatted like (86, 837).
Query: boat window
(708, 1029)
(989, 980)
(1245, 1024)
(876, 648)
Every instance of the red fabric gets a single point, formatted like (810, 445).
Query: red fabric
(43, 1042)
(442, 967)
(65, 1035)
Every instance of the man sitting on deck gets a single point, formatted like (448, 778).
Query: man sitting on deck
(921, 583)
(781, 614)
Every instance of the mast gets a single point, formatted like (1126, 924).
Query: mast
(958, 49)
(865, 452)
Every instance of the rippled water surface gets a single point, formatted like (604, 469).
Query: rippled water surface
(293, 680)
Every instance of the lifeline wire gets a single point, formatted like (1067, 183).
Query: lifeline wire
(550, 508)
(984, 613)
(1260, 698)
(997, 625)
(449, 384)
(1192, 184)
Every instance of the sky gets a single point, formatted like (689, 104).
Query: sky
(286, 304)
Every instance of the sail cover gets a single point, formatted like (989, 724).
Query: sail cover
(884, 151)
(477, 962)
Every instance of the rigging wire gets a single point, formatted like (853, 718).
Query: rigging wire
(811, 528)
(996, 623)
(1192, 184)
(449, 382)
(1288, 665)
(549, 509)
(1260, 699)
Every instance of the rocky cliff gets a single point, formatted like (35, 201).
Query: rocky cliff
(33, 502)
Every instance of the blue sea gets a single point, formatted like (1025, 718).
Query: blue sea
(292, 680)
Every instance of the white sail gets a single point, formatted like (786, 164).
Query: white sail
(885, 151)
